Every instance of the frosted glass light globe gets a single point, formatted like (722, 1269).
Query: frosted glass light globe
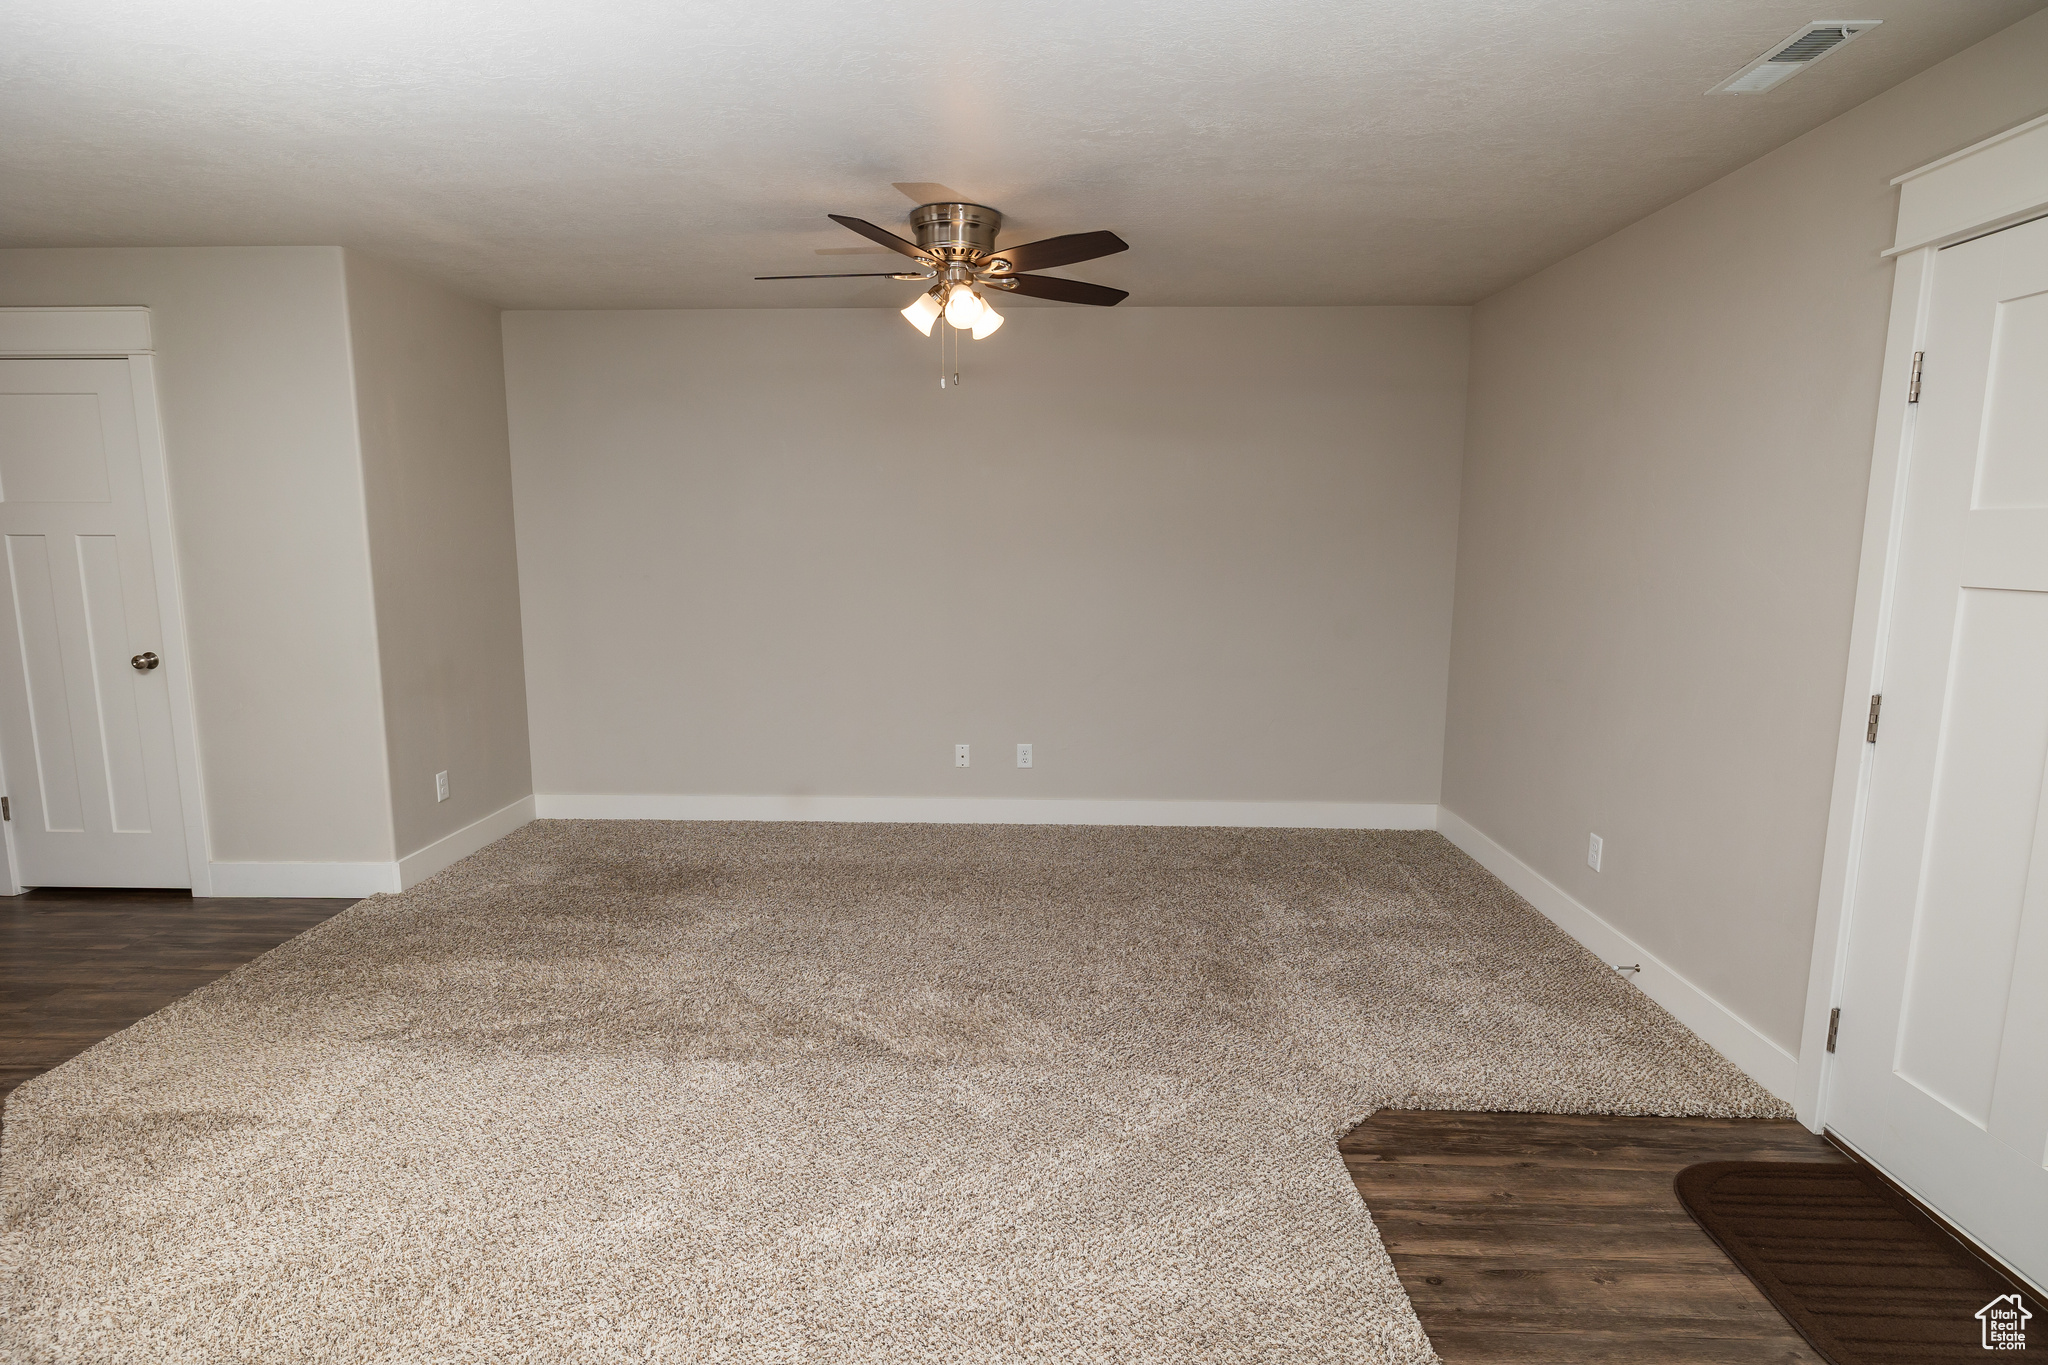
(923, 313)
(964, 307)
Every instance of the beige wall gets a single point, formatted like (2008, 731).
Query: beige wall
(267, 500)
(1187, 553)
(430, 395)
(1664, 485)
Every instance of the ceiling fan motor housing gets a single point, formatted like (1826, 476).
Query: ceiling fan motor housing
(956, 231)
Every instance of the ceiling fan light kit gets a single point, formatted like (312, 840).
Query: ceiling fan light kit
(956, 243)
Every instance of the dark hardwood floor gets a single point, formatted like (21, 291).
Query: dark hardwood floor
(1540, 1238)
(77, 965)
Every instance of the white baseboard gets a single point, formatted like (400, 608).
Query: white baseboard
(367, 879)
(303, 879)
(990, 810)
(416, 867)
(1766, 1063)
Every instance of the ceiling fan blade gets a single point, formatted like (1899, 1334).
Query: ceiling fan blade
(1065, 291)
(860, 275)
(1058, 251)
(882, 235)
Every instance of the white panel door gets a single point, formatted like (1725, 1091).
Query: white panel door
(85, 733)
(1941, 1066)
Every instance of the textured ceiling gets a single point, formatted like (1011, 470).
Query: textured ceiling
(544, 153)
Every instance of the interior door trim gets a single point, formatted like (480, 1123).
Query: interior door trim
(1996, 182)
(125, 334)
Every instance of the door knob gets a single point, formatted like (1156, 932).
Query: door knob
(144, 662)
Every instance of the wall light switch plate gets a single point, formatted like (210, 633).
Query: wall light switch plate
(1593, 851)
(959, 755)
(440, 786)
(1023, 755)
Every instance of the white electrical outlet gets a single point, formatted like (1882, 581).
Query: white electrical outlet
(959, 755)
(1593, 851)
(1023, 755)
(440, 786)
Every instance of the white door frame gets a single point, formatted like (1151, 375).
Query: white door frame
(1996, 183)
(124, 334)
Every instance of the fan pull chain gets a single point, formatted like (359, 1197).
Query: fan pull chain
(944, 331)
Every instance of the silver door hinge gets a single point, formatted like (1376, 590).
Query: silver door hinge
(1870, 734)
(1834, 1026)
(1913, 388)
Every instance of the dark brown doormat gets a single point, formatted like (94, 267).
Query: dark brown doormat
(1863, 1274)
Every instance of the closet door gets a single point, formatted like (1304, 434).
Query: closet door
(85, 713)
(1941, 1072)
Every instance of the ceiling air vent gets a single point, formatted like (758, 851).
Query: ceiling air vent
(1795, 54)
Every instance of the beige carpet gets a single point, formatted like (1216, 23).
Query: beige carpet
(670, 1092)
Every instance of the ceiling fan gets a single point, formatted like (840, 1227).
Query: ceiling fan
(956, 243)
